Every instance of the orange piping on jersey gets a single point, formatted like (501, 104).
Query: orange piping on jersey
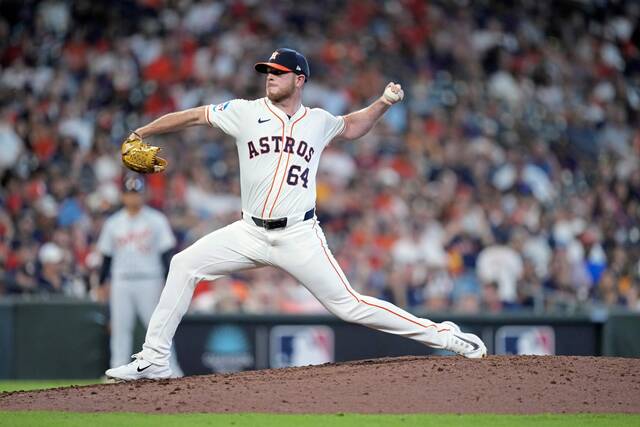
(331, 263)
(206, 115)
(326, 254)
(433, 325)
(279, 158)
(287, 164)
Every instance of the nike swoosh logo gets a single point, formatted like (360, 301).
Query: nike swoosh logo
(262, 121)
(474, 345)
(140, 370)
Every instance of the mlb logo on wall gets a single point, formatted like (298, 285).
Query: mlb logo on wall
(526, 340)
(301, 346)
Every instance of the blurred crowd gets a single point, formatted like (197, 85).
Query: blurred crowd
(509, 179)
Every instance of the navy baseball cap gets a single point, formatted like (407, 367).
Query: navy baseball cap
(133, 184)
(287, 60)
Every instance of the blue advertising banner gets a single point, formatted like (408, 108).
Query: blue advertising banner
(207, 344)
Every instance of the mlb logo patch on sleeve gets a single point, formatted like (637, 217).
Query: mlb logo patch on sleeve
(221, 107)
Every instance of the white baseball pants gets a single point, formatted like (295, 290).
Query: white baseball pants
(128, 300)
(301, 250)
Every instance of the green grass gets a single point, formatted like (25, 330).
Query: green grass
(14, 385)
(340, 420)
(65, 419)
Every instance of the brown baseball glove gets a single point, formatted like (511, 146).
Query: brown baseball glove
(140, 156)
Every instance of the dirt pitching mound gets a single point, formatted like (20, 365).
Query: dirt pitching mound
(523, 384)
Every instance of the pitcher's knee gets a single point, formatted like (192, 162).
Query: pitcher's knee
(349, 312)
(181, 263)
(347, 316)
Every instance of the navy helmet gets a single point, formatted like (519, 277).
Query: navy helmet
(133, 184)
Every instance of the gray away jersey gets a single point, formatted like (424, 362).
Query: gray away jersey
(136, 244)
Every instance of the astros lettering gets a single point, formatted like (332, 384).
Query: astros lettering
(274, 144)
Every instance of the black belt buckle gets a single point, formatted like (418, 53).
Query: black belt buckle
(270, 224)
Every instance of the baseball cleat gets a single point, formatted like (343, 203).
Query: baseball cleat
(465, 344)
(139, 369)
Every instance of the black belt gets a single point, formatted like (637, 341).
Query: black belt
(270, 224)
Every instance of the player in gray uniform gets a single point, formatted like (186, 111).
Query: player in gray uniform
(279, 143)
(136, 244)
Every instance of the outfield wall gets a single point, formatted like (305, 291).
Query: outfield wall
(69, 339)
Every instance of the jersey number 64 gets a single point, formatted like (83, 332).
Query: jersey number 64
(294, 176)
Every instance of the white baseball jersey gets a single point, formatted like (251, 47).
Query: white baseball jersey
(136, 243)
(278, 154)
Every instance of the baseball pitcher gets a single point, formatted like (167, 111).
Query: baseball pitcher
(279, 143)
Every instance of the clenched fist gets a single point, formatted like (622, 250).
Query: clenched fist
(392, 93)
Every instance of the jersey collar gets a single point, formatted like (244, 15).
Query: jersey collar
(282, 114)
